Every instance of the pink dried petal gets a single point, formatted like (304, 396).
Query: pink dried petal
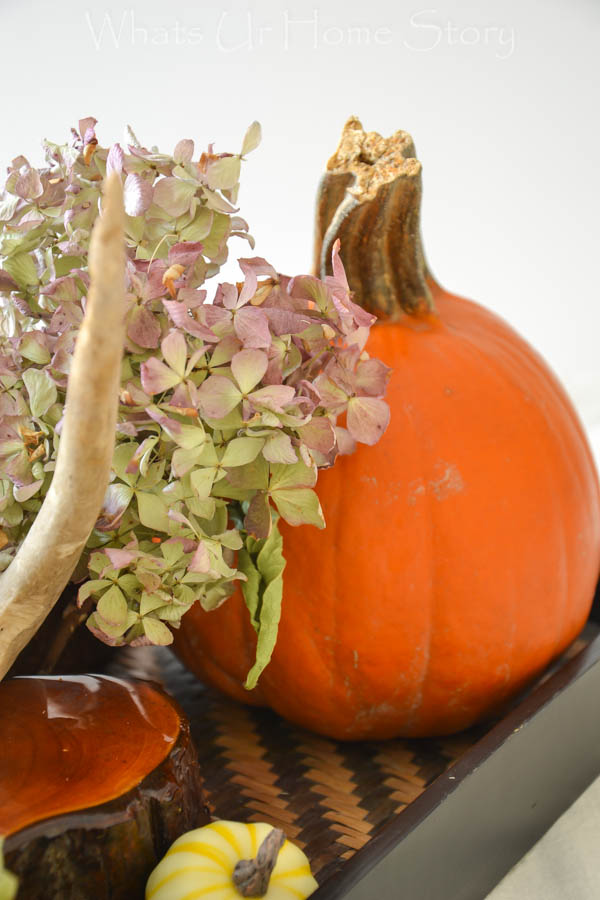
(185, 253)
(286, 321)
(174, 195)
(252, 327)
(7, 282)
(279, 449)
(63, 288)
(157, 377)
(184, 150)
(174, 350)
(227, 295)
(217, 397)
(143, 327)
(86, 127)
(201, 560)
(339, 272)
(114, 160)
(137, 195)
(256, 264)
(28, 185)
(367, 419)
(120, 559)
(179, 313)
(274, 397)
(371, 377)
(249, 288)
(345, 442)
(319, 434)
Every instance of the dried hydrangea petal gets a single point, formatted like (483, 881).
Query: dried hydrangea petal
(248, 368)
(368, 418)
(227, 408)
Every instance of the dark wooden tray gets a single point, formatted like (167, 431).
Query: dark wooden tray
(436, 819)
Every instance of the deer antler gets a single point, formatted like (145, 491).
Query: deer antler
(47, 557)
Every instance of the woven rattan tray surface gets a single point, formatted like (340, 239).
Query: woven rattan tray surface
(329, 797)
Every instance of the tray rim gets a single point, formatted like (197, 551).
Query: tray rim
(361, 876)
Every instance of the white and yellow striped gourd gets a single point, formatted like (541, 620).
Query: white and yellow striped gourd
(200, 864)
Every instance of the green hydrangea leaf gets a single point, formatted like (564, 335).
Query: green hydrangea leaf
(90, 587)
(212, 244)
(112, 606)
(241, 451)
(150, 602)
(152, 511)
(171, 613)
(174, 350)
(253, 476)
(231, 539)
(31, 348)
(204, 509)
(172, 552)
(225, 351)
(263, 592)
(250, 587)
(189, 436)
(224, 174)
(233, 420)
(299, 506)
(252, 139)
(248, 367)
(21, 267)
(129, 584)
(41, 389)
(202, 481)
(297, 475)
(96, 622)
(279, 449)
(213, 597)
(199, 227)
(156, 632)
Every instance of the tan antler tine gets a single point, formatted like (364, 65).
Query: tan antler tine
(31, 585)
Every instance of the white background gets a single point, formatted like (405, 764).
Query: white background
(501, 98)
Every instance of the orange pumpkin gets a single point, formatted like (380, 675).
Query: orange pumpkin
(462, 551)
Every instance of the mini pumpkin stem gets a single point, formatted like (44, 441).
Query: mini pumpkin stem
(370, 198)
(251, 876)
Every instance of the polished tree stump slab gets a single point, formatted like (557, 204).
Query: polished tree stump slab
(97, 777)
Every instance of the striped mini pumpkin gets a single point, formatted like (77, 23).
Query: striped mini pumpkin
(200, 864)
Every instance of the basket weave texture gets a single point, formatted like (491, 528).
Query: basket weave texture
(329, 797)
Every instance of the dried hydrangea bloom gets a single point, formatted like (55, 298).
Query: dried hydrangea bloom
(229, 404)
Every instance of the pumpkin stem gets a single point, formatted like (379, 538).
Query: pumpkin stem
(370, 198)
(251, 876)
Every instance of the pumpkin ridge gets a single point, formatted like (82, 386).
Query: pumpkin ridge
(433, 600)
(507, 357)
(172, 876)
(511, 355)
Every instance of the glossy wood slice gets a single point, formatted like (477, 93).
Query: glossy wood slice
(97, 777)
